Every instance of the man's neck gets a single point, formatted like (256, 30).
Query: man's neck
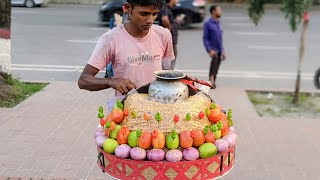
(215, 18)
(134, 31)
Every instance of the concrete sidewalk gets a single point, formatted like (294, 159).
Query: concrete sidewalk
(50, 136)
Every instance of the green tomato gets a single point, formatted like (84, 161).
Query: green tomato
(114, 133)
(133, 139)
(207, 150)
(110, 145)
(172, 143)
(217, 134)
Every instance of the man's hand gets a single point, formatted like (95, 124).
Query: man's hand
(121, 85)
(212, 54)
(223, 57)
(180, 18)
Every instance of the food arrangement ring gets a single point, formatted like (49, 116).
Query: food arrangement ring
(210, 168)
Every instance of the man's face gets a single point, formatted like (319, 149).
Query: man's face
(217, 12)
(142, 17)
(174, 2)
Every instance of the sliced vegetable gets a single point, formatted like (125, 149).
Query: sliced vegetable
(176, 118)
(133, 114)
(146, 116)
(215, 115)
(158, 117)
(186, 140)
(145, 140)
(119, 105)
(209, 136)
(100, 114)
(172, 140)
(102, 122)
(225, 128)
(198, 137)
(114, 132)
(158, 139)
(188, 116)
(230, 122)
(123, 135)
(125, 112)
(116, 115)
(207, 111)
(217, 133)
(201, 115)
(133, 138)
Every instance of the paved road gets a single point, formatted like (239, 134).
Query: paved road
(55, 42)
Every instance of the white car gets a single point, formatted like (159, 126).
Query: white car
(27, 3)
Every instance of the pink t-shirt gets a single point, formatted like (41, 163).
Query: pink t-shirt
(133, 58)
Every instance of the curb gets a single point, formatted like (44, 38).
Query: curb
(5, 33)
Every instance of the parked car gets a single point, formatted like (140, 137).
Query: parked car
(190, 10)
(27, 3)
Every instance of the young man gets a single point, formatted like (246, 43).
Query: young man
(212, 39)
(167, 20)
(136, 49)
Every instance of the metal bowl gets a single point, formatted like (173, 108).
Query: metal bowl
(168, 88)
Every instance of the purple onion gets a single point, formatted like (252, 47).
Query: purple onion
(100, 140)
(137, 153)
(99, 132)
(222, 145)
(156, 155)
(191, 154)
(123, 151)
(174, 155)
(231, 139)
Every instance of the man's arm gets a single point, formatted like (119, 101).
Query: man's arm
(206, 37)
(206, 41)
(89, 82)
(166, 22)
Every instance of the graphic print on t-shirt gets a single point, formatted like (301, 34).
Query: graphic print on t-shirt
(144, 58)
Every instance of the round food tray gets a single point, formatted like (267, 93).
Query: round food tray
(210, 168)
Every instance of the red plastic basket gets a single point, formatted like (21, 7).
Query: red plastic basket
(210, 168)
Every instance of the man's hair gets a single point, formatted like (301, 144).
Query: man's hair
(158, 3)
(213, 8)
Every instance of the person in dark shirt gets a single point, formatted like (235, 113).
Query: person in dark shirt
(167, 20)
(212, 39)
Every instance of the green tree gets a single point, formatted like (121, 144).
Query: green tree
(5, 14)
(295, 11)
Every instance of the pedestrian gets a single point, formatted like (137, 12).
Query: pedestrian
(135, 48)
(167, 20)
(212, 39)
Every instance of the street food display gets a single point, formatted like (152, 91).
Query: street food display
(168, 129)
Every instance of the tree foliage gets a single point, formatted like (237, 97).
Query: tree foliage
(293, 10)
(5, 14)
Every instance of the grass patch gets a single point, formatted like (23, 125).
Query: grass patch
(14, 91)
(276, 104)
